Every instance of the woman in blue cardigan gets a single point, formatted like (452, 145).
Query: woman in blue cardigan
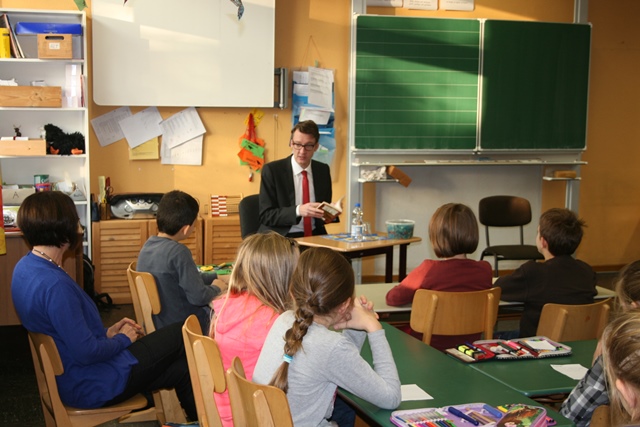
(102, 366)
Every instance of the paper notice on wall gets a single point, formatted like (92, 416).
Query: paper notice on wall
(421, 4)
(146, 151)
(107, 126)
(463, 5)
(187, 153)
(181, 127)
(321, 87)
(385, 3)
(142, 126)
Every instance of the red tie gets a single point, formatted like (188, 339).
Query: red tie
(305, 199)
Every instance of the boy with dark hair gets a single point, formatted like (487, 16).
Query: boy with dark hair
(560, 279)
(181, 288)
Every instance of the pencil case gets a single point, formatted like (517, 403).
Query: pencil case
(524, 348)
(472, 414)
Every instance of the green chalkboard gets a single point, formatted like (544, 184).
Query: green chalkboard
(460, 84)
(416, 83)
(537, 99)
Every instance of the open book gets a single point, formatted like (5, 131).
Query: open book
(331, 210)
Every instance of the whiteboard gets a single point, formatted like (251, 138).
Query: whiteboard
(183, 53)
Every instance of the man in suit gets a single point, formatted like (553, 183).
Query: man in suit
(281, 189)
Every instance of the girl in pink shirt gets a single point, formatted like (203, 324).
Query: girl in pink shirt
(258, 293)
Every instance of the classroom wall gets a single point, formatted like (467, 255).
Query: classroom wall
(310, 30)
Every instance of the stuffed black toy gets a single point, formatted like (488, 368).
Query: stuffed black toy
(63, 143)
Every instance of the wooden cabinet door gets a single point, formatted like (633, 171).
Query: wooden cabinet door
(221, 239)
(116, 243)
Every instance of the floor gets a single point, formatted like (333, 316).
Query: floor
(20, 405)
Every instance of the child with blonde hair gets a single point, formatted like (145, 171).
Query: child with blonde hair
(621, 358)
(591, 391)
(258, 293)
(305, 356)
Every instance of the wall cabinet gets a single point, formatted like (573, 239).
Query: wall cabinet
(31, 120)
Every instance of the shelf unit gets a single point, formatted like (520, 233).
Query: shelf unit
(31, 120)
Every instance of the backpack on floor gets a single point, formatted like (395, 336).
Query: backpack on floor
(103, 300)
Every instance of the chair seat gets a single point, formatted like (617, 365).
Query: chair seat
(513, 252)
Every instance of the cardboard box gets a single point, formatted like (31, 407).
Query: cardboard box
(16, 196)
(31, 147)
(30, 96)
(55, 46)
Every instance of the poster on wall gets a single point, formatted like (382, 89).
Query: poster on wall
(463, 5)
(421, 4)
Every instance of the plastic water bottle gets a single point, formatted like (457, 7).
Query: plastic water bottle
(357, 224)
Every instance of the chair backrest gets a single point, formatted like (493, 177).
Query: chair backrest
(249, 209)
(206, 371)
(454, 313)
(601, 417)
(147, 297)
(563, 322)
(504, 211)
(272, 405)
(48, 365)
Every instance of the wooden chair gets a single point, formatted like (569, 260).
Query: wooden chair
(206, 371)
(256, 404)
(563, 322)
(506, 211)
(146, 302)
(454, 313)
(47, 364)
(601, 417)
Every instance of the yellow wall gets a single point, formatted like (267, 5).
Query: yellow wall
(310, 30)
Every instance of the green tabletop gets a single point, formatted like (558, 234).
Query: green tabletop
(536, 377)
(449, 381)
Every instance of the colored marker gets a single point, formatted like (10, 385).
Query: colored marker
(508, 348)
(462, 415)
(493, 411)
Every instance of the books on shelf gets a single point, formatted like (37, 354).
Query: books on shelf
(537, 347)
(16, 49)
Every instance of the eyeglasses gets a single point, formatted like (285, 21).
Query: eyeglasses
(306, 147)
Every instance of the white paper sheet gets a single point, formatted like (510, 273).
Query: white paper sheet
(318, 115)
(142, 126)
(413, 392)
(188, 153)
(181, 127)
(107, 127)
(573, 370)
(321, 87)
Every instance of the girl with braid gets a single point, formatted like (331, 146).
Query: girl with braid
(306, 356)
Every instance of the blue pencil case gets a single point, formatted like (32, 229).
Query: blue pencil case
(47, 28)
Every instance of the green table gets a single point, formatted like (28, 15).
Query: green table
(535, 377)
(449, 381)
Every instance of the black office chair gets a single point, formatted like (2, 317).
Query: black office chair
(249, 209)
(506, 211)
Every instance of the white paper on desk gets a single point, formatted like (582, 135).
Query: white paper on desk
(413, 392)
(181, 127)
(188, 153)
(572, 370)
(321, 87)
(142, 126)
(540, 344)
(107, 127)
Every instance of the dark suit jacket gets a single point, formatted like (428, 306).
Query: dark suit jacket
(278, 195)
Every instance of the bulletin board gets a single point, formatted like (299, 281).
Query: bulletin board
(176, 53)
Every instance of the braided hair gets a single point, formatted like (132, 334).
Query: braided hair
(322, 281)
